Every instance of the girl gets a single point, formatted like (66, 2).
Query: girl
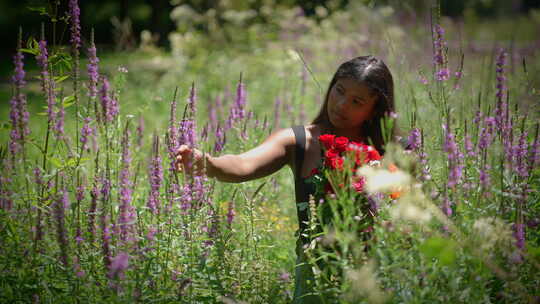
(359, 95)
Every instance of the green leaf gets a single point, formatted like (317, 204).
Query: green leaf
(40, 9)
(440, 248)
(56, 162)
(59, 79)
(68, 101)
(29, 51)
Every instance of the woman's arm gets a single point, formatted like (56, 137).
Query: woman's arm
(263, 160)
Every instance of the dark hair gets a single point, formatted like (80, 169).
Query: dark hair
(375, 74)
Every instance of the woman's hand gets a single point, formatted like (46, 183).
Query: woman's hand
(190, 160)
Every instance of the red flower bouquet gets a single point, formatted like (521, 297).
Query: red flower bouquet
(342, 157)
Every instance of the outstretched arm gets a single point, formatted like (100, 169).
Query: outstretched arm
(265, 159)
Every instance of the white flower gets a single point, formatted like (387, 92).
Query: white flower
(408, 211)
(382, 180)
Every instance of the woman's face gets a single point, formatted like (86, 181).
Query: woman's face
(350, 103)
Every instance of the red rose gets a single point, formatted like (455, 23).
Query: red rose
(331, 154)
(373, 154)
(314, 171)
(327, 140)
(333, 160)
(340, 143)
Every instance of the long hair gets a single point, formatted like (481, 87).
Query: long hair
(375, 74)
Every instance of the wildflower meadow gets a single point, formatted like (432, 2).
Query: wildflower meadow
(93, 211)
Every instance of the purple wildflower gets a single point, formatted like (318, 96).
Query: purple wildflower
(423, 80)
(439, 57)
(77, 267)
(520, 156)
(43, 61)
(486, 135)
(485, 178)
(94, 194)
(151, 234)
(220, 139)
(187, 133)
(74, 13)
(125, 190)
(204, 133)
(18, 113)
(6, 202)
(186, 199)
(47, 82)
(172, 132)
(519, 235)
(60, 207)
(86, 132)
(469, 147)
(105, 231)
(455, 165)
(443, 74)
(238, 109)
(414, 141)
(93, 73)
(447, 207)
(501, 107)
(198, 189)
(109, 104)
(188, 126)
(155, 177)
(119, 264)
(230, 213)
(59, 123)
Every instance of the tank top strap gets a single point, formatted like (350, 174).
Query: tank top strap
(300, 149)
(301, 192)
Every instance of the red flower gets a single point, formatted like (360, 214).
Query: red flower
(341, 144)
(373, 154)
(334, 163)
(327, 140)
(331, 154)
(328, 188)
(358, 185)
(314, 171)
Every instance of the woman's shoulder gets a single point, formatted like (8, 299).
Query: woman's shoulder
(290, 134)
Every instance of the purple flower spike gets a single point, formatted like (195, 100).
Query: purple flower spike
(414, 141)
(439, 56)
(155, 177)
(47, 83)
(86, 132)
(519, 235)
(125, 220)
(18, 112)
(75, 13)
(119, 265)
(455, 157)
(230, 214)
(61, 205)
(93, 73)
(220, 139)
(108, 102)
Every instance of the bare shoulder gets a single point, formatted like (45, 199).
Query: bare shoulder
(283, 136)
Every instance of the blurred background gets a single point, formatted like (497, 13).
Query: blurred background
(120, 23)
